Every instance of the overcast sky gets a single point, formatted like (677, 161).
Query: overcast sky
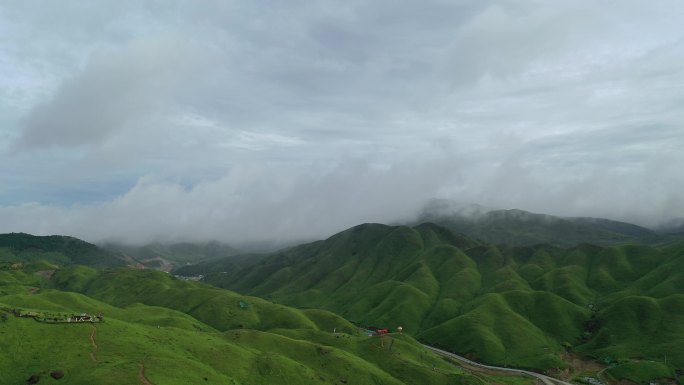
(251, 120)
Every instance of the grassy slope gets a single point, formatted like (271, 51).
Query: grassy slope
(293, 347)
(57, 249)
(215, 307)
(505, 305)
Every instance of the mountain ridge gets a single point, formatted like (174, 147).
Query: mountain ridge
(520, 227)
(500, 304)
(58, 249)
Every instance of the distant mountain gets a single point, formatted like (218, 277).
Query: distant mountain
(507, 305)
(57, 249)
(165, 256)
(674, 226)
(523, 228)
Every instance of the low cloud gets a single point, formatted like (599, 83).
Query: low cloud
(245, 205)
(249, 121)
(282, 204)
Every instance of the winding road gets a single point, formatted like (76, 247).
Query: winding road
(543, 378)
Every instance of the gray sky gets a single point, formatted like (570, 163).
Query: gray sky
(251, 120)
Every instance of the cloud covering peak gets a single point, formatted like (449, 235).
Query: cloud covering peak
(244, 121)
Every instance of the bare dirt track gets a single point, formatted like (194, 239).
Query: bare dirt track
(141, 375)
(93, 333)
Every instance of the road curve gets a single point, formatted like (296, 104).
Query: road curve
(543, 378)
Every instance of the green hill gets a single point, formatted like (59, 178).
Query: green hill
(63, 250)
(505, 305)
(56, 249)
(161, 330)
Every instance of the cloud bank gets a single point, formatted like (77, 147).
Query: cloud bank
(177, 120)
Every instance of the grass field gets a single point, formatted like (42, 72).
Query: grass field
(161, 330)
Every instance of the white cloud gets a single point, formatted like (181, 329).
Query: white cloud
(246, 120)
(115, 89)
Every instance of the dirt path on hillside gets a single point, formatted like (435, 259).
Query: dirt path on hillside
(141, 375)
(93, 354)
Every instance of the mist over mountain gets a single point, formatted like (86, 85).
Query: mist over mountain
(519, 227)
(502, 178)
(157, 122)
(674, 226)
(166, 256)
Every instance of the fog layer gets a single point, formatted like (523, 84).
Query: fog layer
(247, 121)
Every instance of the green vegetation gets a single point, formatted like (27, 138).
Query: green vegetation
(518, 306)
(641, 371)
(55, 249)
(164, 330)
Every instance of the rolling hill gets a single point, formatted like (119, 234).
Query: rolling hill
(506, 305)
(157, 329)
(522, 305)
(62, 250)
(56, 249)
